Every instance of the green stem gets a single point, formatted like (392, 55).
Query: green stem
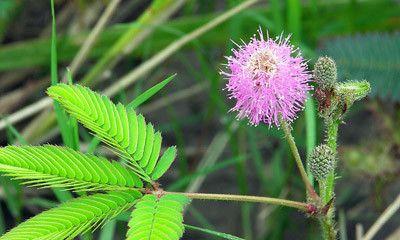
(244, 198)
(327, 186)
(328, 229)
(332, 134)
(296, 155)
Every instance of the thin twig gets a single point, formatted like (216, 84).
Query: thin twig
(244, 198)
(386, 215)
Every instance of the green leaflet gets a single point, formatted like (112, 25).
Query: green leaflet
(157, 218)
(74, 217)
(122, 129)
(165, 162)
(52, 166)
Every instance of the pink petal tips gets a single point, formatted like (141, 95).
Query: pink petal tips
(267, 78)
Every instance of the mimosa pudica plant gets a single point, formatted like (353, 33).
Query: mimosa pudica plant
(269, 80)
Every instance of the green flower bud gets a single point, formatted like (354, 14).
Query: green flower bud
(322, 161)
(353, 91)
(325, 73)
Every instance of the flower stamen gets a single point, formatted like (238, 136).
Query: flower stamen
(262, 61)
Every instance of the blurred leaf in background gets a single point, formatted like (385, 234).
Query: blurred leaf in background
(373, 56)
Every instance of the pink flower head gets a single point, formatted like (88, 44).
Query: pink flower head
(268, 78)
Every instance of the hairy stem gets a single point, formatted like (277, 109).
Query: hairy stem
(245, 198)
(328, 229)
(332, 134)
(327, 188)
(295, 152)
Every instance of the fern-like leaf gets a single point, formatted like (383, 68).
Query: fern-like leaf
(122, 129)
(157, 218)
(52, 166)
(373, 57)
(74, 217)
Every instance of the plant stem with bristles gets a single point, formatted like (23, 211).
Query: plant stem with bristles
(243, 198)
(327, 187)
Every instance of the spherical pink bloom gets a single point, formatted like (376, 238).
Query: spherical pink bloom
(268, 78)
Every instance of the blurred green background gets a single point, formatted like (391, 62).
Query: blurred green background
(216, 154)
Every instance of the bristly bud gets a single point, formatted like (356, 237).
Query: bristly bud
(322, 161)
(325, 73)
(353, 91)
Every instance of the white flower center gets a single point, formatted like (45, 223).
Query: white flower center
(262, 61)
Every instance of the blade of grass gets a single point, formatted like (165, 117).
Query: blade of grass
(67, 131)
(199, 217)
(73, 124)
(212, 233)
(62, 118)
(20, 139)
(149, 93)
